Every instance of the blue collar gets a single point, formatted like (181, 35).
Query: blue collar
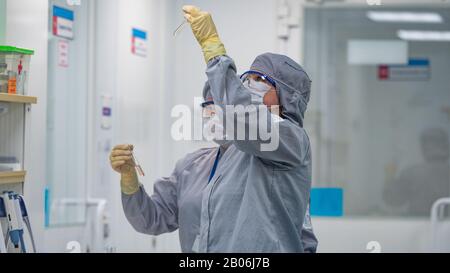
(216, 162)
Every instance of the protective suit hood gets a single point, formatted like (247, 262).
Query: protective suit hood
(292, 83)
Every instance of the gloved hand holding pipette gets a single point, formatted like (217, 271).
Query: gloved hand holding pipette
(124, 162)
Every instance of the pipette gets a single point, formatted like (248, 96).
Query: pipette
(179, 28)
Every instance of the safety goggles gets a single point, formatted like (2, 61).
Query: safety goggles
(209, 109)
(257, 76)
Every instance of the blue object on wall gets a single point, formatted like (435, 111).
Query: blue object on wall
(46, 207)
(327, 202)
(63, 13)
(2, 208)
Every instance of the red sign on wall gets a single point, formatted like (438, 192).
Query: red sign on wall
(415, 70)
(383, 72)
(63, 53)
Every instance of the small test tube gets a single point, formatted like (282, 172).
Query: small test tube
(179, 28)
(137, 165)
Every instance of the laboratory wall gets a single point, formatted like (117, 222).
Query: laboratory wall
(140, 93)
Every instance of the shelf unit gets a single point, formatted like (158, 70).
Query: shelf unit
(11, 178)
(15, 107)
(17, 99)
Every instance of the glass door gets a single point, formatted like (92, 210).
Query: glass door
(67, 124)
(380, 106)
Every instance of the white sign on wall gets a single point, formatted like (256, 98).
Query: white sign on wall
(63, 22)
(139, 42)
(375, 52)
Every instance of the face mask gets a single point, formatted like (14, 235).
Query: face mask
(257, 90)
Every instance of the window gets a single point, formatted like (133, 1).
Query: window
(379, 131)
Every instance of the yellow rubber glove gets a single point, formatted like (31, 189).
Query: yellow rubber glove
(122, 162)
(205, 32)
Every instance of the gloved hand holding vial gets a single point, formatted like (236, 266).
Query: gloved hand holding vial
(124, 162)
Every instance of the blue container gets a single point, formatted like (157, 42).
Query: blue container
(327, 202)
